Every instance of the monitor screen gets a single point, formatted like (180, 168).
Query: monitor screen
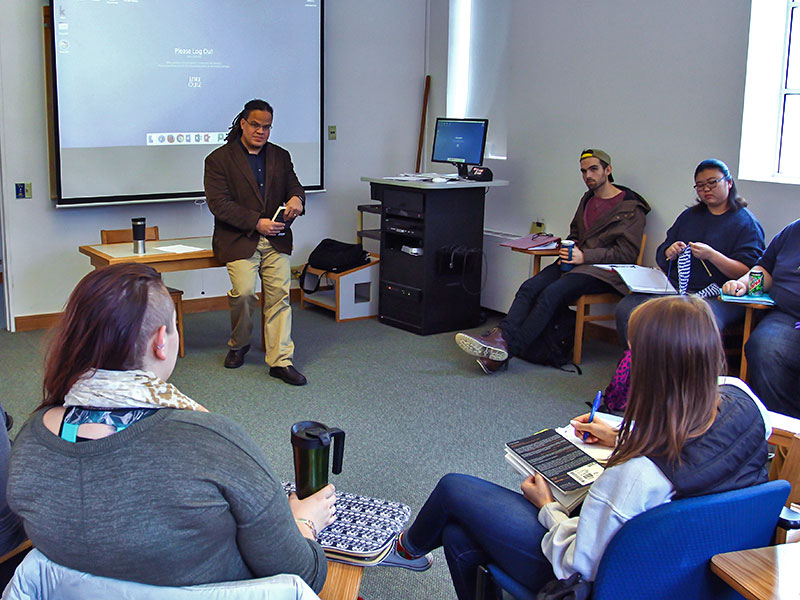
(460, 141)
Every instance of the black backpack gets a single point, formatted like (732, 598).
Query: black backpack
(333, 256)
(554, 346)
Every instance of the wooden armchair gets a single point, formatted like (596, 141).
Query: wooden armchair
(583, 307)
(119, 236)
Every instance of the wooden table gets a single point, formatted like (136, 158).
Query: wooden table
(748, 328)
(537, 257)
(771, 573)
(343, 582)
(102, 255)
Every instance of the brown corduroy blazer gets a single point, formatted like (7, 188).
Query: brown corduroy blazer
(234, 200)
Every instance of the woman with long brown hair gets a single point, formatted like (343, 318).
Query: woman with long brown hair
(120, 475)
(683, 434)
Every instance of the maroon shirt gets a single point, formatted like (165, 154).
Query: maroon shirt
(597, 207)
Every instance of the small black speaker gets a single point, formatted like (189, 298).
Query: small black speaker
(479, 173)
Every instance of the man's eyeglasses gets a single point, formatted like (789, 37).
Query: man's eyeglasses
(259, 126)
(708, 185)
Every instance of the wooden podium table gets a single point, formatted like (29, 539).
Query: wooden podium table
(762, 573)
(201, 256)
(102, 255)
(430, 270)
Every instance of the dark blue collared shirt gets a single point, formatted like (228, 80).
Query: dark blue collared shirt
(258, 164)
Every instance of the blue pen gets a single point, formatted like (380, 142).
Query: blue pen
(595, 406)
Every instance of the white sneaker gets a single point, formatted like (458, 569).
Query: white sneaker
(477, 345)
(393, 559)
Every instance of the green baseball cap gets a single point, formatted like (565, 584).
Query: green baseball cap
(594, 153)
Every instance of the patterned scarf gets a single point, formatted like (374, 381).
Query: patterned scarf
(127, 389)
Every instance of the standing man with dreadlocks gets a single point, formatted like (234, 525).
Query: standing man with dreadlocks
(246, 181)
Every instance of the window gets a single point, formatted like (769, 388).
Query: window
(789, 154)
(770, 146)
(477, 67)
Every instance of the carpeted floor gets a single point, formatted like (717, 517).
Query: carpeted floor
(413, 408)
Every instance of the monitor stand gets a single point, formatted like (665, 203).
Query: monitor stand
(463, 169)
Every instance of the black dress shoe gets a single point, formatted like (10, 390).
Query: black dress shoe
(289, 374)
(235, 358)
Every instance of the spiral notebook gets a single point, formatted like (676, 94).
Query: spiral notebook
(364, 529)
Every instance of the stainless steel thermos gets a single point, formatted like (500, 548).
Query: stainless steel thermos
(138, 225)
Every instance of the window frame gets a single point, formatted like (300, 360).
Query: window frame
(765, 94)
(786, 91)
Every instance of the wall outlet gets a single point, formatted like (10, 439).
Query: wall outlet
(296, 271)
(331, 132)
(537, 226)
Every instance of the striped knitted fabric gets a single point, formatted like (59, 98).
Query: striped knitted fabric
(685, 270)
(710, 291)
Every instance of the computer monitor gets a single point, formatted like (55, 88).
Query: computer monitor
(460, 142)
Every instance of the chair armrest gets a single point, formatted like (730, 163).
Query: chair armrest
(784, 429)
(12, 553)
(789, 519)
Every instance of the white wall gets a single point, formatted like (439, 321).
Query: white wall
(659, 85)
(374, 67)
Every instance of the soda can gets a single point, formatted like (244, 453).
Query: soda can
(755, 286)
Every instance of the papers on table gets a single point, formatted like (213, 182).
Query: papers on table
(178, 249)
(422, 176)
(645, 280)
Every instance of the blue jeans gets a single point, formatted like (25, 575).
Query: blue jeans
(726, 314)
(537, 301)
(773, 360)
(478, 522)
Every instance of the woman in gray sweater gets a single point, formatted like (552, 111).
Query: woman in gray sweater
(120, 475)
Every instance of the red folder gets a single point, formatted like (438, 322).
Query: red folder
(531, 241)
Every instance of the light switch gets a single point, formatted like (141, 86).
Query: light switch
(23, 190)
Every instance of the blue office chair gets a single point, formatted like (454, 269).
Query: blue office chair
(665, 553)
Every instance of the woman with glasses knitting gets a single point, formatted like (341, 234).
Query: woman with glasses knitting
(692, 436)
(714, 240)
(120, 475)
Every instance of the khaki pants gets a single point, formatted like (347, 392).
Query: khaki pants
(275, 271)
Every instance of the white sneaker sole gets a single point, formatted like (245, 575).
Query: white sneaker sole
(475, 347)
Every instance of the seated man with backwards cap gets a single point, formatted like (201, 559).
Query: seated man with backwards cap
(607, 228)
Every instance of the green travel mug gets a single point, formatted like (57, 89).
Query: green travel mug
(311, 444)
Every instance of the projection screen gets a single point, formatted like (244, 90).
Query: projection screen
(144, 90)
